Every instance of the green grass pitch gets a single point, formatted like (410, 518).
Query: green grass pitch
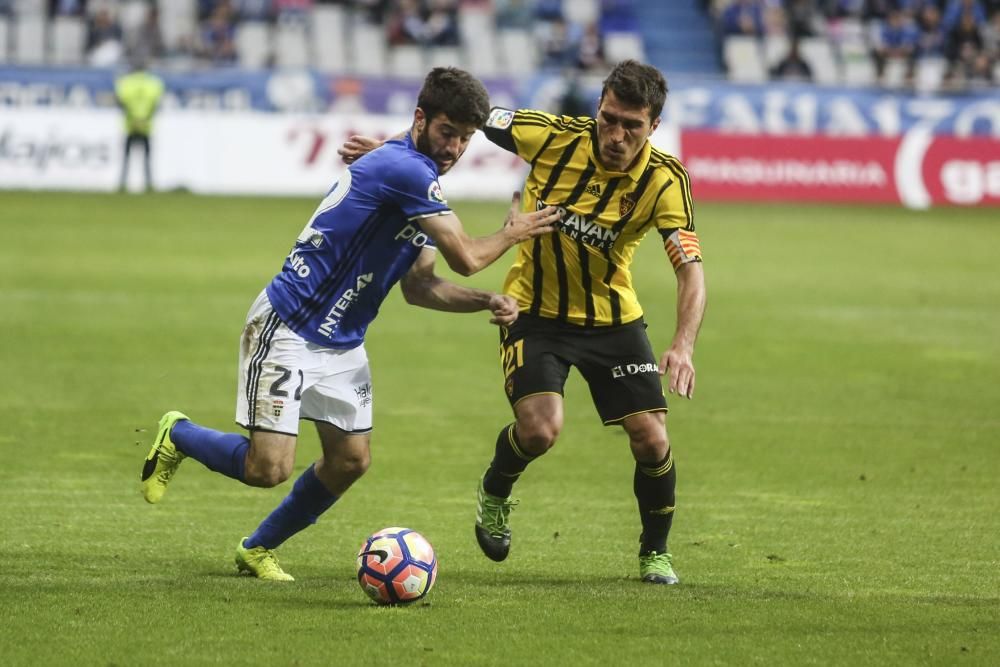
(838, 496)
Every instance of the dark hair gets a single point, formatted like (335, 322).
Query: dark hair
(455, 93)
(638, 86)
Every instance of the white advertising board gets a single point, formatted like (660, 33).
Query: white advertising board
(224, 152)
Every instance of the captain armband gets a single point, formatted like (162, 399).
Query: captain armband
(682, 246)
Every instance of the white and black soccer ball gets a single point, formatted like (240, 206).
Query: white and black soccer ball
(396, 566)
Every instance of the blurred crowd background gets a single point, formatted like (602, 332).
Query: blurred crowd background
(926, 45)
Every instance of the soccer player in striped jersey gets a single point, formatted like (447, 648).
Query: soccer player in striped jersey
(302, 353)
(578, 307)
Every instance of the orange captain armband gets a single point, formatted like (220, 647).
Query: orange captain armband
(682, 247)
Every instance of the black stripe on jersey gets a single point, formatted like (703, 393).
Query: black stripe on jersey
(581, 185)
(536, 280)
(599, 207)
(256, 364)
(588, 290)
(325, 290)
(656, 199)
(613, 297)
(681, 175)
(541, 150)
(678, 170)
(531, 123)
(560, 261)
(557, 170)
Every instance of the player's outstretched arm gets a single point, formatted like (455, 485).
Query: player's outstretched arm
(678, 361)
(466, 255)
(422, 287)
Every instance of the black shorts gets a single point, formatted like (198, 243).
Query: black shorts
(617, 362)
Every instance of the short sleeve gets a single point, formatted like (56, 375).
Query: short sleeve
(523, 132)
(414, 187)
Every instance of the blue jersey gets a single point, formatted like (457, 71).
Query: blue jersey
(363, 237)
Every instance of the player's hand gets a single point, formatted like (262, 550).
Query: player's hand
(504, 309)
(677, 364)
(356, 146)
(521, 226)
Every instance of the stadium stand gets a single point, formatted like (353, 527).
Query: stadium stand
(925, 45)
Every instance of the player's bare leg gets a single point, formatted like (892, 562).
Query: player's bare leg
(539, 421)
(654, 484)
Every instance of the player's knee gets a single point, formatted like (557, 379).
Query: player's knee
(355, 465)
(537, 437)
(267, 474)
(649, 445)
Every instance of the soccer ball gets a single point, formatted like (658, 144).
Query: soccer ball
(396, 566)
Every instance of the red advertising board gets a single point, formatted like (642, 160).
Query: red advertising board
(917, 169)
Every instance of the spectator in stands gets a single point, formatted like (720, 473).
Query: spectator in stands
(218, 36)
(405, 24)
(956, 9)
(793, 66)
(590, 53)
(897, 40)
(965, 43)
(558, 47)
(253, 10)
(517, 14)
(441, 23)
(292, 10)
(802, 15)
(104, 39)
(145, 43)
(931, 41)
(743, 17)
(61, 7)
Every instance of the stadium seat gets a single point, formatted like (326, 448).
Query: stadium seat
(518, 49)
(929, 74)
(477, 34)
(291, 44)
(29, 40)
(894, 75)
(329, 36)
(859, 69)
(581, 12)
(743, 59)
(818, 52)
(369, 49)
(30, 7)
(623, 45)
(178, 21)
(69, 39)
(776, 47)
(444, 56)
(406, 61)
(4, 38)
(253, 44)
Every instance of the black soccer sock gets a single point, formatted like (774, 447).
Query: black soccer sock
(509, 461)
(654, 487)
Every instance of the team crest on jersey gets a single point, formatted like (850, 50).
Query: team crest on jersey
(500, 119)
(626, 204)
(434, 193)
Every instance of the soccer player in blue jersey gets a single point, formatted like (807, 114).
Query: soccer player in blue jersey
(302, 353)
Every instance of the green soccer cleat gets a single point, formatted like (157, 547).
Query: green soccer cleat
(261, 563)
(657, 568)
(492, 523)
(162, 461)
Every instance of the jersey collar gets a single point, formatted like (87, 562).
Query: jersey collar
(635, 173)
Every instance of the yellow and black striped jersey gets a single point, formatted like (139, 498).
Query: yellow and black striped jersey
(580, 273)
